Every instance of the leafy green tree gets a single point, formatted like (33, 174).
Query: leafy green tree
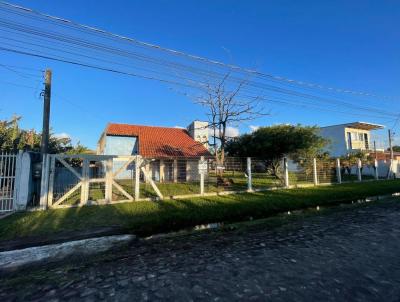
(273, 143)
(396, 148)
(13, 138)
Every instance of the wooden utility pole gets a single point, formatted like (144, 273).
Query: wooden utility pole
(46, 113)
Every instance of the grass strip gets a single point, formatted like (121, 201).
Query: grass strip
(146, 217)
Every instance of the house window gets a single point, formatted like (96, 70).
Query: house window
(168, 170)
(360, 136)
(155, 170)
(181, 170)
(349, 140)
(366, 141)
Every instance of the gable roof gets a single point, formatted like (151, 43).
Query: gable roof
(160, 141)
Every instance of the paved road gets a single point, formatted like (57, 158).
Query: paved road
(337, 255)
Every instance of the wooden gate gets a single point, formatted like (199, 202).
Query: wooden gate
(76, 180)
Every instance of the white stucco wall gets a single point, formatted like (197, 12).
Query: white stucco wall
(339, 145)
(337, 137)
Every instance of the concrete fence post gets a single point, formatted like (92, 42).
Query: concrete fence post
(376, 169)
(338, 171)
(286, 172)
(138, 162)
(359, 165)
(249, 177)
(52, 172)
(109, 180)
(23, 184)
(85, 182)
(44, 182)
(315, 174)
(201, 177)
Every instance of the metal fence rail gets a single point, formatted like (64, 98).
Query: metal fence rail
(7, 181)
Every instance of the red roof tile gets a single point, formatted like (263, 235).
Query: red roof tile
(160, 141)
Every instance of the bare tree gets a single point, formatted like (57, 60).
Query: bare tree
(226, 106)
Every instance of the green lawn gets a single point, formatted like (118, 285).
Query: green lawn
(148, 217)
(238, 182)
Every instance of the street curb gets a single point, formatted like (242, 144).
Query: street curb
(15, 259)
(61, 237)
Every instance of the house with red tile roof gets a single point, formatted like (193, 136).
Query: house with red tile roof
(174, 152)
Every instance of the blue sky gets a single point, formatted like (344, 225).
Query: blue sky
(346, 44)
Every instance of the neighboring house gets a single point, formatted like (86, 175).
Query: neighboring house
(174, 152)
(385, 155)
(350, 137)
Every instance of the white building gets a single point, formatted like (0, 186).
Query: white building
(198, 130)
(350, 137)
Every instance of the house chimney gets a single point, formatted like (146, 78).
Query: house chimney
(199, 132)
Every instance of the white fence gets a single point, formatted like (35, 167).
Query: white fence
(77, 180)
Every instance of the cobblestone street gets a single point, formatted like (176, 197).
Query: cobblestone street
(343, 254)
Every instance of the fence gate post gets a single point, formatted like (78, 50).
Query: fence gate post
(85, 182)
(359, 164)
(376, 169)
(338, 171)
(202, 177)
(52, 171)
(286, 172)
(44, 182)
(249, 178)
(137, 177)
(109, 179)
(315, 172)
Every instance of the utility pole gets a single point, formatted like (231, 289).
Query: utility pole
(46, 113)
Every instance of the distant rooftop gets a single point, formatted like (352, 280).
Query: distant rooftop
(359, 125)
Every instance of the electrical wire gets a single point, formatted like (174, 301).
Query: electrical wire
(66, 22)
(177, 69)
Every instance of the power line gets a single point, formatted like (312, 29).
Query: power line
(273, 88)
(141, 76)
(120, 52)
(81, 55)
(92, 66)
(22, 67)
(255, 84)
(66, 22)
(19, 73)
(17, 84)
(251, 83)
